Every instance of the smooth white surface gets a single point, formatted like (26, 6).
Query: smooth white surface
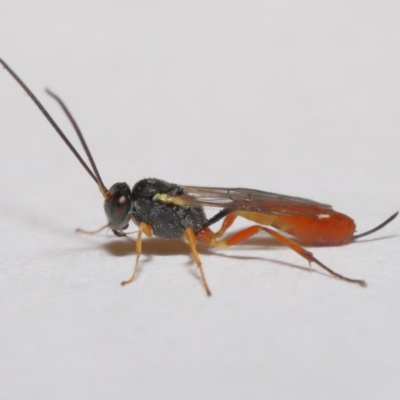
(301, 98)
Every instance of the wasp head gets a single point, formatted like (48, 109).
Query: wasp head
(117, 206)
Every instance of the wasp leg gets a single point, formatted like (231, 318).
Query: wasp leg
(206, 236)
(191, 238)
(228, 221)
(79, 230)
(146, 229)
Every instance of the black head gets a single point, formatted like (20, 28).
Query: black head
(117, 206)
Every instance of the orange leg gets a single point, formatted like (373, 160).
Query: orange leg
(79, 230)
(191, 238)
(208, 237)
(146, 229)
(228, 221)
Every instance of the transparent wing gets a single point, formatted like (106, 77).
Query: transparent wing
(248, 200)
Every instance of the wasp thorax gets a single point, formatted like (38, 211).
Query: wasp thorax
(118, 206)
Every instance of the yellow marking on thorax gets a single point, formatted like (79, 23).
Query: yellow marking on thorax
(167, 199)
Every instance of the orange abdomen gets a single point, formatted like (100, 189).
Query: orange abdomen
(317, 226)
(326, 228)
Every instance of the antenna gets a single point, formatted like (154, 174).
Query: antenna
(95, 176)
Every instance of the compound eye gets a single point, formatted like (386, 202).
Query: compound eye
(118, 207)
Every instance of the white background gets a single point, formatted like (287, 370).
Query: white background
(301, 98)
